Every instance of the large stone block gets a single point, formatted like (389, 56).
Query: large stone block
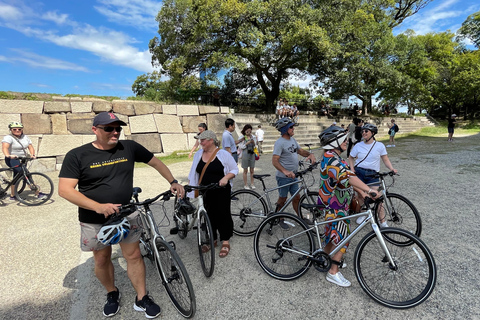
(216, 123)
(169, 109)
(59, 124)
(224, 110)
(190, 124)
(146, 108)
(167, 123)
(123, 107)
(174, 142)
(142, 124)
(76, 116)
(55, 145)
(37, 123)
(187, 110)
(20, 106)
(5, 120)
(80, 126)
(56, 106)
(35, 143)
(60, 98)
(43, 165)
(81, 106)
(208, 109)
(191, 140)
(101, 106)
(151, 141)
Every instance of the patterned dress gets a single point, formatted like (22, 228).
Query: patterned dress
(335, 193)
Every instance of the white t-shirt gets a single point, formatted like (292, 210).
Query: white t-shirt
(259, 134)
(360, 150)
(16, 148)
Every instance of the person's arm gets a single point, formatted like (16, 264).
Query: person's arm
(31, 151)
(5, 147)
(66, 190)
(279, 167)
(351, 162)
(165, 172)
(359, 186)
(306, 154)
(388, 164)
(194, 148)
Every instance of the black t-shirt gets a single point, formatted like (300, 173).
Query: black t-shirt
(105, 176)
(451, 123)
(214, 172)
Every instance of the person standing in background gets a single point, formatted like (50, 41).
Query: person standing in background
(201, 127)
(451, 127)
(260, 134)
(228, 142)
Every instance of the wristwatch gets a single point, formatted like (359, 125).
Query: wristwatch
(174, 181)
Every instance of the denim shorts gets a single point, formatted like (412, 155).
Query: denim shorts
(363, 173)
(283, 192)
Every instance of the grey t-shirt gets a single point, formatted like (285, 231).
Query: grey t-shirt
(16, 148)
(287, 150)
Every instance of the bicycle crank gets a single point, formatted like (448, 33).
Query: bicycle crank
(321, 261)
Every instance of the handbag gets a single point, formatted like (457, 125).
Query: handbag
(203, 170)
(257, 154)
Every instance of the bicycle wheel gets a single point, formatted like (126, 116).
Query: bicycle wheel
(400, 213)
(175, 278)
(248, 211)
(179, 224)
(304, 213)
(282, 246)
(205, 244)
(38, 189)
(406, 285)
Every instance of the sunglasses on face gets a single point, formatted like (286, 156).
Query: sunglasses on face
(365, 130)
(17, 129)
(110, 129)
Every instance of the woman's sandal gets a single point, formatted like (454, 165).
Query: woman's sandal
(225, 250)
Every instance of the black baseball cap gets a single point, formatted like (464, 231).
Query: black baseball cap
(107, 118)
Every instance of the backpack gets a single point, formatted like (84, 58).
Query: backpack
(395, 128)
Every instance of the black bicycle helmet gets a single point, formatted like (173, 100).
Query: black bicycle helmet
(371, 127)
(184, 206)
(332, 137)
(114, 231)
(282, 123)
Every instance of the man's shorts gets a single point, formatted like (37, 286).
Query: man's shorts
(283, 192)
(364, 175)
(450, 130)
(89, 231)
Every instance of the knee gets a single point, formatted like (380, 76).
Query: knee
(132, 255)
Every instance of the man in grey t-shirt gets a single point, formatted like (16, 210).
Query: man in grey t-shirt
(285, 160)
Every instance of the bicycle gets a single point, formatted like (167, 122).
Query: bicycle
(303, 164)
(393, 266)
(197, 219)
(249, 208)
(40, 187)
(170, 267)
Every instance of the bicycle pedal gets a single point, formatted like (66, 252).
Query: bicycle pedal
(195, 228)
(172, 244)
(174, 230)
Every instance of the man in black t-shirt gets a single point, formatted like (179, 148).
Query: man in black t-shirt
(103, 172)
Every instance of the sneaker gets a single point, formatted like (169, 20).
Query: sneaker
(338, 279)
(393, 145)
(41, 196)
(361, 219)
(252, 187)
(246, 187)
(12, 199)
(283, 225)
(112, 305)
(383, 224)
(151, 309)
(388, 146)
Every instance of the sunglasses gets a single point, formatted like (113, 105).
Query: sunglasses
(17, 129)
(110, 129)
(365, 130)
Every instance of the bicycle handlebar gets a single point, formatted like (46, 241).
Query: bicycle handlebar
(312, 167)
(381, 174)
(189, 188)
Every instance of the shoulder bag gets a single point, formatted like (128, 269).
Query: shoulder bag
(205, 168)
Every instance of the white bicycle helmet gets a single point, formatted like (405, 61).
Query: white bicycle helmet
(332, 138)
(113, 232)
(15, 124)
(282, 123)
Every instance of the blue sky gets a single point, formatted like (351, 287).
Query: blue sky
(100, 47)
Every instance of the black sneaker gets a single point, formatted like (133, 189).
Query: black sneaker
(151, 309)
(112, 305)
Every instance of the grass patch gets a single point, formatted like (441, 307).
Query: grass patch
(174, 157)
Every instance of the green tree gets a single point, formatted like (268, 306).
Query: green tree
(268, 40)
(471, 29)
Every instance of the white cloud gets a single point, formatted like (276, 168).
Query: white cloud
(40, 85)
(8, 12)
(38, 61)
(137, 13)
(59, 19)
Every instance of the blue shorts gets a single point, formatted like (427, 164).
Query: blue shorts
(450, 130)
(13, 163)
(363, 174)
(283, 192)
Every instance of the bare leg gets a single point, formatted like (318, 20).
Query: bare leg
(135, 267)
(295, 203)
(252, 180)
(104, 268)
(245, 176)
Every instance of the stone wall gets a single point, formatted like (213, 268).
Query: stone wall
(57, 126)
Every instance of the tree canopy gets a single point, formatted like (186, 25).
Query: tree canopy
(471, 29)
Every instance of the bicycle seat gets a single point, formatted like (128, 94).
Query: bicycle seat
(260, 176)
(308, 145)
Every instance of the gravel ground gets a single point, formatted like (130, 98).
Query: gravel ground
(44, 275)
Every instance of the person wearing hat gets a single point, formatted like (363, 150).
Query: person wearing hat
(285, 160)
(451, 127)
(16, 145)
(214, 165)
(103, 172)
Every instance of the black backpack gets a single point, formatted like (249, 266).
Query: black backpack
(395, 128)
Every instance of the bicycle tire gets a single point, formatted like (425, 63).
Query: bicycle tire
(404, 216)
(410, 284)
(39, 190)
(271, 248)
(206, 242)
(248, 210)
(175, 278)
(303, 213)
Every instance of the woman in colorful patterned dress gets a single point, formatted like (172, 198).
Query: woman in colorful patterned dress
(336, 192)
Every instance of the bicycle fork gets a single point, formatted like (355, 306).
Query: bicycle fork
(388, 256)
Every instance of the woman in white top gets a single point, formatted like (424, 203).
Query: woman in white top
(201, 127)
(16, 145)
(365, 158)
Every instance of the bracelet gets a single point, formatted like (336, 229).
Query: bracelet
(174, 181)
